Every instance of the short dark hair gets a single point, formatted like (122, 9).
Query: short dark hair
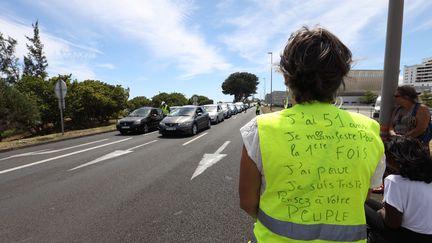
(408, 91)
(314, 63)
(413, 159)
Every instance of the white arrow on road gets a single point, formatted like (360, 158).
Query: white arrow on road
(111, 155)
(209, 160)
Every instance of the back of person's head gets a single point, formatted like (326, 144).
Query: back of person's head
(314, 63)
(413, 160)
(408, 91)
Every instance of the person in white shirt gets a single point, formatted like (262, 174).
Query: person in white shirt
(406, 215)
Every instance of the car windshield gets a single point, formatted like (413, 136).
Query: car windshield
(140, 112)
(183, 111)
(210, 108)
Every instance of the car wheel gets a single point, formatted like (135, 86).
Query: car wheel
(123, 132)
(217, 120)
(194, 129)
(209, 124)
(145, 128)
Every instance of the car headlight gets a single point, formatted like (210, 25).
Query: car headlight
(137, 122)
(185, 124)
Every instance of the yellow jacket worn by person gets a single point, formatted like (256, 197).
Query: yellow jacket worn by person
(317, 162)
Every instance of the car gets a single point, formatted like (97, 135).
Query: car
(187, 119)
(240, 106)
(216, 113)
(377, 108)
(232, 108)
(172, 108)
(142, 120)
(226, 110)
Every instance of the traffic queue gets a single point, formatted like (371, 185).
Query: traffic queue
(187, 119)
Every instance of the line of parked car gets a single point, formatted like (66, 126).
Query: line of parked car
(188, 119)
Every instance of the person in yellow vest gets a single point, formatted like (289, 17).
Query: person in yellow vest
(306, 172)
(258, 108)
(165, 108)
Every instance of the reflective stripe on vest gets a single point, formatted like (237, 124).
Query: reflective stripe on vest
(328, 232)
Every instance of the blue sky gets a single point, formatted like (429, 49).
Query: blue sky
(191, 47)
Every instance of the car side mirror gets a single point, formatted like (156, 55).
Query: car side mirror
(199, 113)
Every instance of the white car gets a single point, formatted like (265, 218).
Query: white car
(226, 110)
(216, 113)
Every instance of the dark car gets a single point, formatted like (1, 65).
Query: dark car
(142, 119)
(186, 119)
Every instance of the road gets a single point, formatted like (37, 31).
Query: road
(137, 188)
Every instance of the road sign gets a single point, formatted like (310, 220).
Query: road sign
(60, 89)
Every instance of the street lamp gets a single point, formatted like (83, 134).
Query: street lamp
(271, 79)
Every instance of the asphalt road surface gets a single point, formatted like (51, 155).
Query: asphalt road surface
(135, 188)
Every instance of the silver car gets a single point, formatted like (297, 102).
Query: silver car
(186, 119)
(215, 112)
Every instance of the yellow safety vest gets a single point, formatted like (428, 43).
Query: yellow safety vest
(317, 162)
(165, 109)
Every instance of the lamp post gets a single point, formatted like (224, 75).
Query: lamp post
(271, 79)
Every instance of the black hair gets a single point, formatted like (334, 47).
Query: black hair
(314, 63)
(413, 159)
(408, 91)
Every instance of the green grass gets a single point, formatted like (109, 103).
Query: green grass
(54, 137)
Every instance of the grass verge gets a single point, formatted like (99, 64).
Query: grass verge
(10, 145)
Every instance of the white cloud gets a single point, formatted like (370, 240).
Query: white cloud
(267, 22)
(161, 25)
(63, 56)
(106, 66)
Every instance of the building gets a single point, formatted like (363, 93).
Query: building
(358, 82)
(278, 98)
(419, 75)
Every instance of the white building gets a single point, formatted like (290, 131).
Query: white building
(419, 75)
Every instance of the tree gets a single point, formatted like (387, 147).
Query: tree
(93, 102)
(241, 85)
(42, 92)
(9, 69)
(170, 99)
(35, 63)
(201, 100)
(368, 98)
(137, 102)
(17, 111)
(426, 98)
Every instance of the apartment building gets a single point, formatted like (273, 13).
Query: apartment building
(419, 75)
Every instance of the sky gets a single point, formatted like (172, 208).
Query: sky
(192, 46)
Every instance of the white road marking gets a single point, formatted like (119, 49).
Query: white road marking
(47, 151)
(190, 141)
(142, 145)
(111, 155)
(209, 160)
(105, 157)
(61, 156)
(150, 133)
(222, 147)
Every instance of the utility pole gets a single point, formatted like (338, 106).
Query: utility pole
(271, 79)
(391, 62)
